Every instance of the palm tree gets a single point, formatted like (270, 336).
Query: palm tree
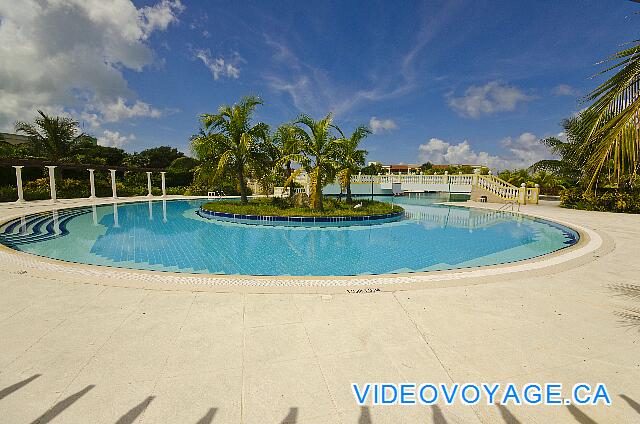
(288, 142)
(318, 153)
(610, 128)
(54, 137)
(231, 140)
(350, 157)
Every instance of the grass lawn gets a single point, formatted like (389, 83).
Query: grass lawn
(283, 207)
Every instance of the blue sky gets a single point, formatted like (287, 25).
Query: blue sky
(446, 81)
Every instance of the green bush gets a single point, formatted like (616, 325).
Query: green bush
(609, 200)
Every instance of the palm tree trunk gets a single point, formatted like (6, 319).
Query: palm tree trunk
(348, 179)
(287, 175)
(316, 190)
(242, 185)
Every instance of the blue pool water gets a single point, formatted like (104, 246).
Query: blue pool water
(170, 236)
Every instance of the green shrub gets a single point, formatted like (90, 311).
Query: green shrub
(608, 200)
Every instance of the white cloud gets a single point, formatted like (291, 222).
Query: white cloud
(380, 125)
(519, 152)
(119, 110)
(313, 91)
(565, 90)
(67, 54)
(490, 98)
(114, 139)
(220, 67)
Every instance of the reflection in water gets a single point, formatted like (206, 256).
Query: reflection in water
(116, 224)
(164, 211)
(94, 214)
(56, 226)
(150, 210)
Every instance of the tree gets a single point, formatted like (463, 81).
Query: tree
(52, 137)
(156, 157)
(573, 156)
(350, 158)
(609, 128)
(288, 142)
(318, 153)
(229, 139)
(374, 168)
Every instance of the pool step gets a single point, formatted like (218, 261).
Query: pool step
(37, 228)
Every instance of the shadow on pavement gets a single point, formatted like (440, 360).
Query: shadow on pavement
(580, 416)
(208, 418)
(632, 403)
(292, 417)
(8, 390)
(507, 416)
(61, 406)
(135, 412)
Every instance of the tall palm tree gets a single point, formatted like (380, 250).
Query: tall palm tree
(318, 153)
(350, 157)
(230, 139)
(611, 126)
(54, 137)
(288, 142)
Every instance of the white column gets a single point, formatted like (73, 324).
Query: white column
(536, 194)
(113, 184)
(52, 183)
(149, 184)
(92, 184)
(19, 183)
(164, 187)
(446, 177)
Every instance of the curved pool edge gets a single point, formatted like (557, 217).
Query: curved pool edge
(590, 241)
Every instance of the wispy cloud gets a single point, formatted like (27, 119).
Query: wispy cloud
(114, 139)
(219, 66)
(487, 99)
(381, 125)
(313, 90)
(565, 90)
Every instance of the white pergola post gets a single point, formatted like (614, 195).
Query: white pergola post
(92, 184)
(113, 184)
(149, 184)
(19, 183)
(52, 182)
(164, 186)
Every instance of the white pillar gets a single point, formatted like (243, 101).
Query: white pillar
(164, 187)
(523, 194)
(19, 183)
(52, 182)
(92, 184)
(446, 177)
(113, 184)
(149, 184)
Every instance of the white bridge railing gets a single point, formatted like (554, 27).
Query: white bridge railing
(498, 187)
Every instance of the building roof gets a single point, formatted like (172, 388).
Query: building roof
(13, 138)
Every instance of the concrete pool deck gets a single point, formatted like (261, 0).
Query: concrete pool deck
(75, 349)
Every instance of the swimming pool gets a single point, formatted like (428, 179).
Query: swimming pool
(170, 236)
